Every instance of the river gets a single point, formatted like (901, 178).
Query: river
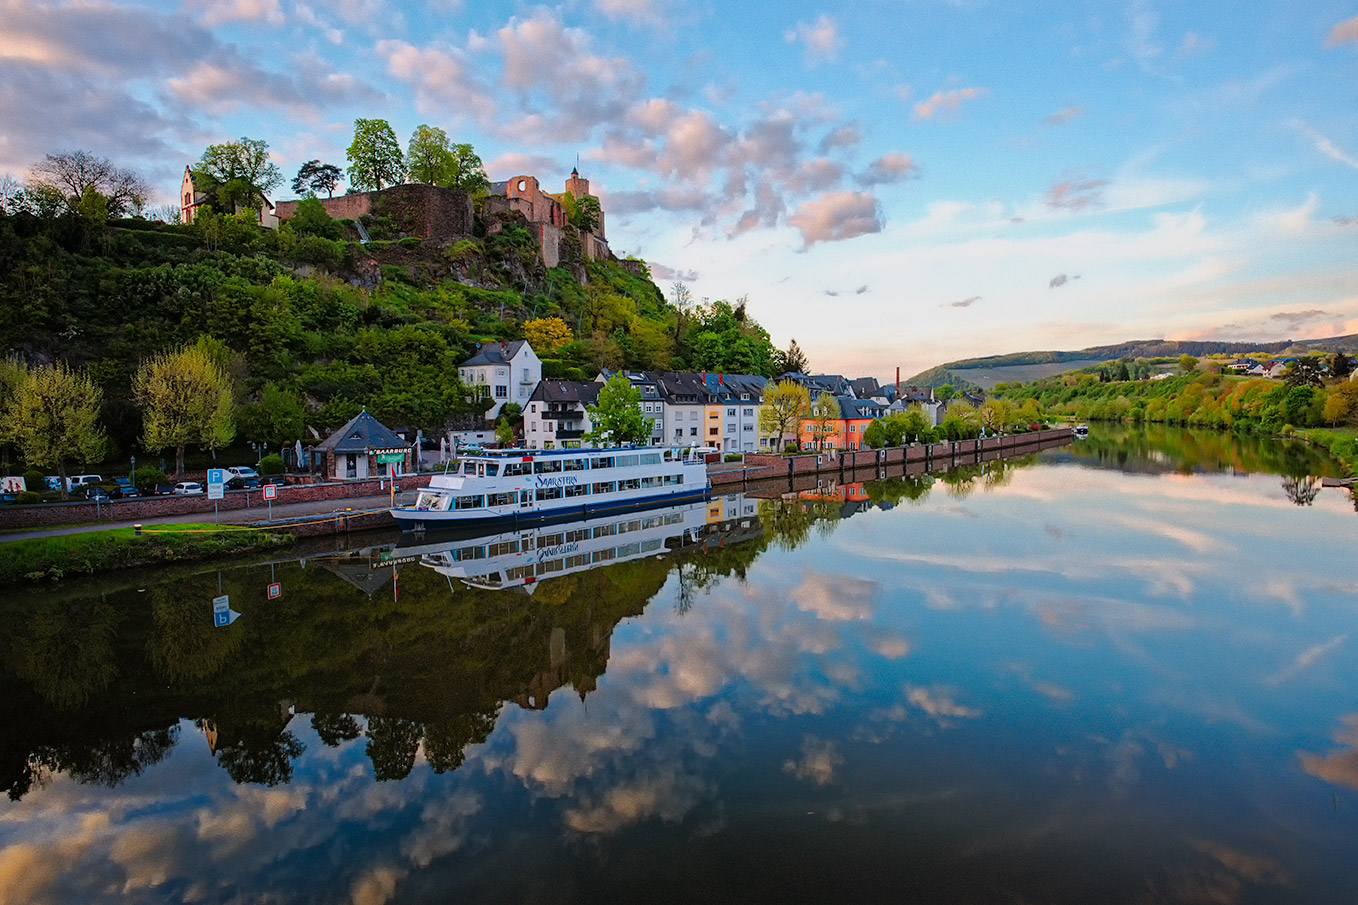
(1119, 671)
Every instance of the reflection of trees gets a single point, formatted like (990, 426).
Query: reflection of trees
(67, 651)
(787, 523)
(185, 644)
(108, 761)
(335, 728)
(392, 743)
(445, 742)
(260, 756)
(1301, 491)
(913, 489)
(960, 482)
(1158, 448)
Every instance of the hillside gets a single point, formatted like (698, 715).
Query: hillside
(334, 324)
(984, 373)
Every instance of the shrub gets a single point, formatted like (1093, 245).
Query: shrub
(734, 457)
(148, 475)
(411, 242)
(29, 496)
(35, 480)
(271, 464)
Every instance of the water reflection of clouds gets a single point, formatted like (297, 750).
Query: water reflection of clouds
(819, 760)
(1340, 767)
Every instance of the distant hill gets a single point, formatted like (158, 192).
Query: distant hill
(984, 373)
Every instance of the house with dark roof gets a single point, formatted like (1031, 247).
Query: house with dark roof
(647, 383)
(557, 415)
(846, 431)
(363, 448)
(508, 371)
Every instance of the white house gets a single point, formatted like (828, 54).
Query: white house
(652, 401)
(508, 370)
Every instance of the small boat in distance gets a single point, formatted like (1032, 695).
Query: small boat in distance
(1081, 431)
(533, 486)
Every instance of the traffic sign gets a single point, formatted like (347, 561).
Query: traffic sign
(276, 590)
(216, 483)
(270, 491)
(222, 614)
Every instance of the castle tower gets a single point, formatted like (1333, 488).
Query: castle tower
(577, 187)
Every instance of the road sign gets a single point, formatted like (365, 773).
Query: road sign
(270, 491)
(222, 614)
(276, 590)
(391, 458)
(216, 483)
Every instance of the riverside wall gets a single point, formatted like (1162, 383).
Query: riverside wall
(840, 461)
(47, 515)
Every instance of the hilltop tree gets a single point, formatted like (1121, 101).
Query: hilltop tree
(375, 157)
(1187, 363)
(1305, 372)
(784, 405)
(186, 398)
(71, 174)
(793, 361)
(55, 418)
(1341, 365)
(237, 175)
(432, 158)
(315, 176)
(583, 213)
(617, 418)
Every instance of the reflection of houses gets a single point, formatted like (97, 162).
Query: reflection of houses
(557, 416)
(508, 371)
(358, 449)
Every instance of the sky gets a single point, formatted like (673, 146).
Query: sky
(892, 183)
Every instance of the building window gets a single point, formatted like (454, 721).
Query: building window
(535, 427)
(501, 392)
(526, 378)
(749, 413)
(500, 372)
(533, 408)
(730, 413)
(693, 432)
(730, 428)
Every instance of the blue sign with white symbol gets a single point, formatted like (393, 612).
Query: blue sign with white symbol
(222, 614)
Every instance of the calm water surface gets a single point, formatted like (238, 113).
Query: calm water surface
(1115, 672)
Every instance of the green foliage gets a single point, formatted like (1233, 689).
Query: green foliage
(312, 219)
(271, 464)
(28, 497)
(148, 475)
(433, 159)
(617, 419)
(55, 418)
(279, 417)
(316, 177)
(375, 158)
(783, 407)
(185, 398)
(236, 175)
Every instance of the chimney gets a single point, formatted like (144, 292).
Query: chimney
(898, 381)
(721, 380)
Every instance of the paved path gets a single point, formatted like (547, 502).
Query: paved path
(253, 515)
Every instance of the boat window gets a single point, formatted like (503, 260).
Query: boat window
(605, 487)
(577, 490)
(502, 499)
(471, 502)
(603, 462)
(515, 469)
(549, 493)
(577, 535)
(624, 461)
(573, 464)
(605, 530)
(577, 561)
(550, 540)
(630, 484)
(546, 466)
(492, 469)
(650, 459)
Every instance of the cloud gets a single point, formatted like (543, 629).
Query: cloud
(443, 77)
(1297, 318)
(219, 12)
(1076, 195)
(965, 303)
(887, 169)
(819, 761)
(516, 163)
(1061, 117)
(1059, 280)
(637, 12)
(1325, 146)
(1343, 33)
(947, 102)
(1141, 35)
(848, 136)
(1306, 659)
(836, 598)
(939, 705)
(1341, 767)
(836, 216)
(1194, 43)
(669, 274)
(821, 39)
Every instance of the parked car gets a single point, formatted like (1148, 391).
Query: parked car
(124, 489)
(188, 488)
(241, 471)
(277, 480)
(241, 482)
(157, 489)
(84, 480)
(92, 492)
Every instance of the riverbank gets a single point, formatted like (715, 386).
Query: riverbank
(1341, 444)
(60, 556)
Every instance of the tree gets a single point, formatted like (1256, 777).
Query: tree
(72, 173)
(56, 418)
(314, 176)
(279, 417)
(312, 219)
(375, 157)
(1341, 404)
(584, 212)
(1187, 363)
(547, 334)
(1341, 365)
(996, 415)
(945, 392)
(824, 410)
(1305, 372)
(432, 158)
(237, 175)
(785, 404)
(793, 361)
(504, 432)
(617, 418)
(961, 421)
(185, 398)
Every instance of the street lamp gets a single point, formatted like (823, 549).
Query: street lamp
(133, 476)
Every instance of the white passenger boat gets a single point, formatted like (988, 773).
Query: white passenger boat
(1081, 431)
(531, 486)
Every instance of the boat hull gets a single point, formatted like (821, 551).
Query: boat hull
(418, 521)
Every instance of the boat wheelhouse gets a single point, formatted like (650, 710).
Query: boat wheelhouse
(524, 487)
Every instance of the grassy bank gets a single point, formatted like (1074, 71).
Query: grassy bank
(59, 556)
(1342, 444)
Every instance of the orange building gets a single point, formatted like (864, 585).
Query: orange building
(846, 431)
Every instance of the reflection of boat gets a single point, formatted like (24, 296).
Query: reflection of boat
(524, 487)
(1081, 431)
(522, 557)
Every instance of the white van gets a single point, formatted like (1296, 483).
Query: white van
(242, 471)
(80, 480)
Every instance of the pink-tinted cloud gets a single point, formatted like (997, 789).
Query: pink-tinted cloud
(1061, 117)
(836, 216)
(820, 38)
(1076, 195)
(947, 102)
(887, 169)
(1343, 33)
(220, 12)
